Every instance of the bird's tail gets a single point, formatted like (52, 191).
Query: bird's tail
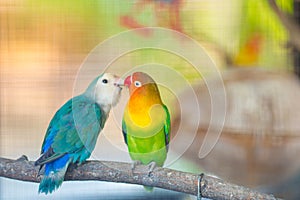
(54, 175)
(148, 188)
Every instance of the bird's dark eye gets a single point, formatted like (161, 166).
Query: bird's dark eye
(137, 83)
(104, 81)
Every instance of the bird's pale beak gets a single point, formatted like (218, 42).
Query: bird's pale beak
(127, 81)
(119, 82)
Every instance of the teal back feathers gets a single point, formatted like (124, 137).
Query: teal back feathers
(73, 131)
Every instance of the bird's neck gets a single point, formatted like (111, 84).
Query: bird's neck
(105, 108)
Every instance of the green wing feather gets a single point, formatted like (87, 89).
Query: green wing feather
(167, 127)
(124, 131)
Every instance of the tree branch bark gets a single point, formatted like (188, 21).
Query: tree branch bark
(209, 187)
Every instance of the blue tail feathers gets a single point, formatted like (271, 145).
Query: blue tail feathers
(54, 174)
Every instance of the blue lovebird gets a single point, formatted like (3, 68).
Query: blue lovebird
(74, 129)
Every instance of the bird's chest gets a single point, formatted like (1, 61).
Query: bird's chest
(148, 149)
(145, 122)
(146, 144)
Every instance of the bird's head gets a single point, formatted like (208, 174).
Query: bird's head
(139, 81)
(106, 90)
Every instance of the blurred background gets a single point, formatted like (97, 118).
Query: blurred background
(254, 44)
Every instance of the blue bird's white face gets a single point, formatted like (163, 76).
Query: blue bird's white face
(108, 91)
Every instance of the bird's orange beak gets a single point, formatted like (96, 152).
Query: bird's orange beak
(127, 81)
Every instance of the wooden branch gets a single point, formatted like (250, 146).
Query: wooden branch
(210, 187)
(289, 23)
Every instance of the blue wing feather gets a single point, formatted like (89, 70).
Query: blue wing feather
(70, 137)
(75, 126)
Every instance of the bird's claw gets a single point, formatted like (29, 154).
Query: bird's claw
(134, 164)
(23, 158)
(151, 166)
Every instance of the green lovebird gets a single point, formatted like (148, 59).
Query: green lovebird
(146, 122)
